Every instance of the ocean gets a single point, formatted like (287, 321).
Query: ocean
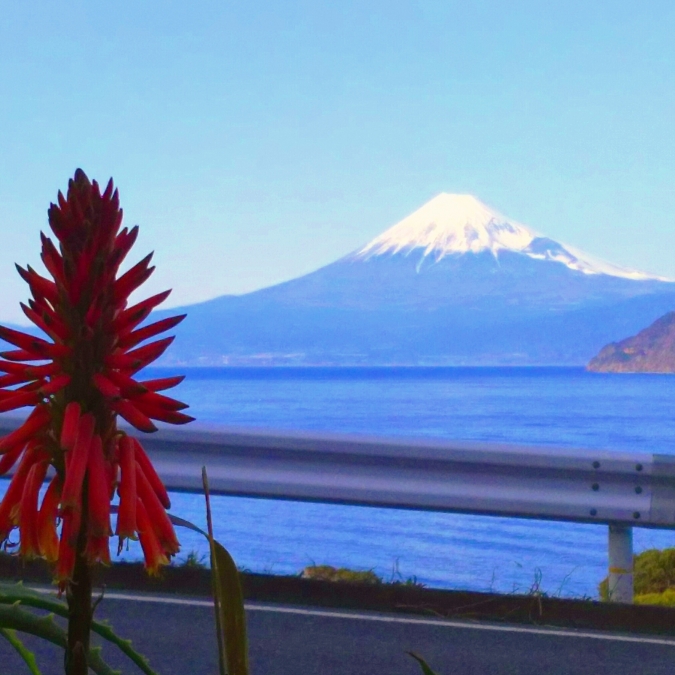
(553, 406)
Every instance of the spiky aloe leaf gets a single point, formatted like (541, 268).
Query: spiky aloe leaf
(11, 594)
(228, 598)
(107, 633)
(423, 664)
(26, 654)
(13, 617)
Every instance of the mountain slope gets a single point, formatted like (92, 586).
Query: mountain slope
(455, 283)
(652, 350)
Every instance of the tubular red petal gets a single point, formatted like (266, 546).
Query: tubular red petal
(128, 386)
(21, 400)
(123, 243)
(122, 361)
(34, 386)
(23, 340)
(149, 470)
(52, 260)
(162, 414)
(98, 491)
(124, 323)
(21, 355)
(40, 372)
(98, 550)
(28, 510)
(138, 336)
(27, 522)
(9, 459)
(70, 530)
(55, 350)
(154, 400)
(52, 350)
(176, 418)
(55, 384)
(112, 469)
(14, 492)
(46, 325)
(10, 380)
(151, 351)
(56, 222)
(132, 279)
(15, 368)
(152, 550)
(139, 358)
(110, 223)
(126, 515)
(130, 239)
(108, 190)
(29, 371)
(48, 540)
(132, 415)
(71, 422)
(71, 498)
(131, 317)
(106, 387)
(162, 383)
(38, 352)
(156, 514)
(34, 423)
(39, 286)
(122, 292)
(49, 315)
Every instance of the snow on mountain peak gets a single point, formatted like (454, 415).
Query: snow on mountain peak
(456, 224)
(452, 224)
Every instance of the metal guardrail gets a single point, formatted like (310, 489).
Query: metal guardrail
(585, 486)
(620, 490)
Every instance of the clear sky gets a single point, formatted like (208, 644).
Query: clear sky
(256, 141)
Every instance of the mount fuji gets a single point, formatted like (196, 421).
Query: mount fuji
(454, 283)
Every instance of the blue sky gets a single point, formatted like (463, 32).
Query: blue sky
(256, 141)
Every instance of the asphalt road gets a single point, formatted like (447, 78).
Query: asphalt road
(177, 635)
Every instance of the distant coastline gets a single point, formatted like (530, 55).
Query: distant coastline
(652, 350)
(363, 372)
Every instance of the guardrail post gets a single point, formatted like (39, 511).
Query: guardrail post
(620, 563)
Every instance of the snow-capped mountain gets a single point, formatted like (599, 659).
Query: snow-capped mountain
(456, 224)
(455, 283)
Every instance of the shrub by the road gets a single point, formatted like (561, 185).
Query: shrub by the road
(653, 578)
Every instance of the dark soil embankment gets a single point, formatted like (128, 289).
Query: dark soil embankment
(461, 605)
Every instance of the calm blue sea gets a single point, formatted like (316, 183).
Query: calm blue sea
(557, 406)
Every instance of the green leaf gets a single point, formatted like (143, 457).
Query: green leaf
(106, 632)
(26, 654)
(231, 607)
(229, 600)
(227, 596)
(11, 594)
(13, 617)
(424, 665)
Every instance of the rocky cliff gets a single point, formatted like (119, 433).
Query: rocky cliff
(650, 351)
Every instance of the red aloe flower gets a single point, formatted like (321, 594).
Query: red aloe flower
(82, 381)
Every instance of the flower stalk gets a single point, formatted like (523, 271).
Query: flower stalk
(79, 381)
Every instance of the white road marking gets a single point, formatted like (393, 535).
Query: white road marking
(259, 607)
